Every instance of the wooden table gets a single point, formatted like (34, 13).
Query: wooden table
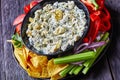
(108, 68)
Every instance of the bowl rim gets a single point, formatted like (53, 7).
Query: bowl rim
(41, 4)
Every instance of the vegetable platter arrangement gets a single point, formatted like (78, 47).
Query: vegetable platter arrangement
(83, 55)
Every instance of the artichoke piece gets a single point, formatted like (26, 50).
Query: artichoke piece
(59, 30)
(58, 15)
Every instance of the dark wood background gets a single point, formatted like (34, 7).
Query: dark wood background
(108, 68)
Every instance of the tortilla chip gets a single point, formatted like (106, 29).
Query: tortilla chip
(27, 50)
(25, 54)
(18, 50)
(34, 74)
(44, 73)
(31, 54)
(19, 56)
(38, 66)
(39, 61)
(54, 69)
(55, 77)
(32, 68)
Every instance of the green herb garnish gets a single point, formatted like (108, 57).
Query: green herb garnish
(17, 41)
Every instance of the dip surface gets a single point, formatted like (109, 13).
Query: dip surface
(56, 26)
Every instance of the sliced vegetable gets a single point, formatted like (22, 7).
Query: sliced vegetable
(105, 22)
(93, 45)
(72, 70)
(82, 49)
(82, 45)
(66, 70)
(89, 63)
(105, 37)
(100, 18)
(78, 63)
(100, 3)
(95, 15)
(18, 27)
(85, 70)
(33, 3)
(106, 25)
(105, 13)
(27, 8)
(19, 19)
(94, 28)
(78, 69)
(17, 41)
(102, 39)
(91, 3)
(96, 44)
(74, 58)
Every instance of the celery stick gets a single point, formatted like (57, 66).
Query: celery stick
(89, 63)
(86, 64)
(106, 35)
(77, 70)
(85, 70)
(104, 38)
(75, 58)
(71, 72)
(66, 70)
(98, 53)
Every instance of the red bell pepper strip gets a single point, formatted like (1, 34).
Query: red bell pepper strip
(18, 27)
(88, 4)
(100, 3)
(94, 29)
(92, 3)
(27, 8)
(105, 14)
(100, 19)
(19, 19)
(95, 15)
(33, 3)
(105, 26)
(105, 20)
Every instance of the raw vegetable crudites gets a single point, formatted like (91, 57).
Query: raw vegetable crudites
(99, 27)
(100, 18)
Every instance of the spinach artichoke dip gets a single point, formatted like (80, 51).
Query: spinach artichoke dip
(56, 26)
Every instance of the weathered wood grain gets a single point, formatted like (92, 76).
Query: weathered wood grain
(114, 53)
(2, 72)
(114, 50)
(113, 4)
(11, 9)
